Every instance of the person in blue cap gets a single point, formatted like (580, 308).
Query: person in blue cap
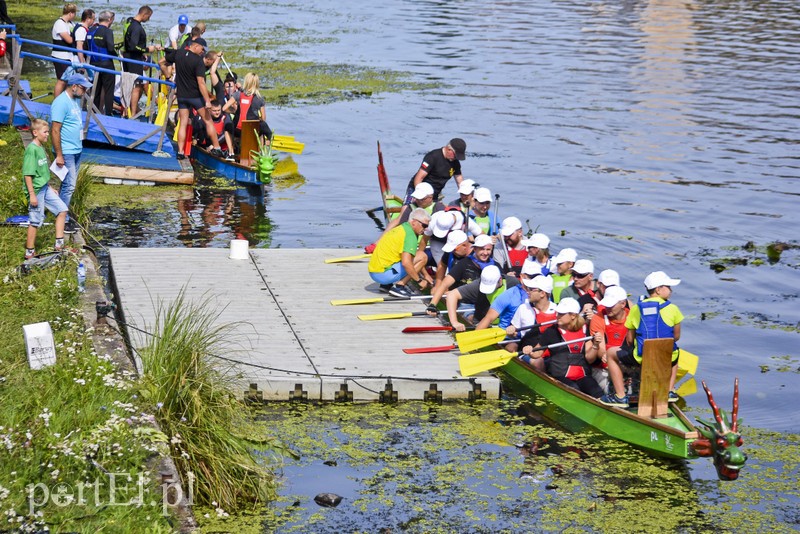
(67, 136)
(179, 30)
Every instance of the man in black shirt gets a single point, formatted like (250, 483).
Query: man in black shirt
(190, 79)
(438, 166)
(134, 41)
(103, 42)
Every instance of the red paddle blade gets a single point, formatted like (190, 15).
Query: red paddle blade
(417, 329)
(423, 350)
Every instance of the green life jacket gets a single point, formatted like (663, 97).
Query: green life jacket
(484, 223)
(560, 283)
(494, 294)
(182, 39)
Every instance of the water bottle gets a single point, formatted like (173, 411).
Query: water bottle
(81, 277)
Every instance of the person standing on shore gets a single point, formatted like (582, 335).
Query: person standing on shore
(134, 40)
(104, 43)
(65, 112)
(62, 36)
(36, 175)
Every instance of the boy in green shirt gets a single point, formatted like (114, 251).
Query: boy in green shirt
(36, 173)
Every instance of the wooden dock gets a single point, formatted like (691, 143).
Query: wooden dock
(289, 341)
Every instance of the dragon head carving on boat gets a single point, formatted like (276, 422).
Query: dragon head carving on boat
(721, 440)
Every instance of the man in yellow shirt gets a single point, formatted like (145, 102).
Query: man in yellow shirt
(393, 261)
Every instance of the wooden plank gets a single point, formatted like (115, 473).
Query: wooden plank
(149, 175)
(249, 142)
(656, 371)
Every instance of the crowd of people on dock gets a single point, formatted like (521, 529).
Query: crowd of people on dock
(211, 105)
(462, 253)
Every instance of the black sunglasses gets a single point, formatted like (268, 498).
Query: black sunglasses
(577, 275)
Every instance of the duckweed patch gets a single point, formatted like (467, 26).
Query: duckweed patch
(782, 364)
(489, 467)
(752, 254)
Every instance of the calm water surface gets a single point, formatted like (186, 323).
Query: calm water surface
(657, 135)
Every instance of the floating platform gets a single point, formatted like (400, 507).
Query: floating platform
(117, 165)
(287, 340)
(123, 131)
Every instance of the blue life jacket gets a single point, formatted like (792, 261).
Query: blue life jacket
(479, 263)
(651, 325)
(90, 33)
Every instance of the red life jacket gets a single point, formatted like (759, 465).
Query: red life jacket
(543, 317)
(219, 127)
(615, 332)
(517, 258)
(575, 372)
(244, 107)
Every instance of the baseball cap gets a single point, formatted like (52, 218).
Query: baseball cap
(201, 42)
(537, 240)
(510, 225)
(482, 240)
(460, 147)
(545, 283)
(490, 275)
(583, 267)
(659, 278)
(613, 295)
(454, 238)
(423, 189)
(568, 305)
(467, 187)
(566, 254)
(482, 194)
(531, 268)
(609, 278)
(79, 79)
(441, 223)
(183, 19)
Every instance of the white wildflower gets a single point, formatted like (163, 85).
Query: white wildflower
(31, 287)
(45, 416)
(80, 381)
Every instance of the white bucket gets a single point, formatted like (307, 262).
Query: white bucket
(239, 249)
(40, 345)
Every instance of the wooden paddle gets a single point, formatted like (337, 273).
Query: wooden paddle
(472, 364)
(374, 300)
(347, 258)
(422, 329)
(399, 315)
(477, 339)
(444, 348)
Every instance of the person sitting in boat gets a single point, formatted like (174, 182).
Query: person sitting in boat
(537, 246)
(582, 288)
(608, 278)
(250, 105)
(223, 126)
(466, 192)
(504, 307)
(653, 317)
(562, 276)
(395, 259)
(513, 254)
(438, 166)
(442, 223)
(481, 212)
(461, 265)
(530, 269)
(568, 364)
(422, 197)
(538, 309)
(610, 321)
(480, 294)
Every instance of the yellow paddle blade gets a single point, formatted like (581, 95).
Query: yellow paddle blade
(285, 167)
(293, 147)
(283, 138)
(477, 339)
(350, 302)
(472, 364)
(381, 316)
(347, 258)
(687, 363)
(687, 388)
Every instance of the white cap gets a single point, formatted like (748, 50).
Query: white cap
(510, 225)
(609, 278)
(537, 240)
(659, 278)
(442, 222)
(422, 190)
(566, 254)
(482, 194)
(583, 267)
(613, 295)
(454, 238)
(490, 275)
(467, 187)
(531, 267)
(545, 283)
(568, 305)
(482, 240)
